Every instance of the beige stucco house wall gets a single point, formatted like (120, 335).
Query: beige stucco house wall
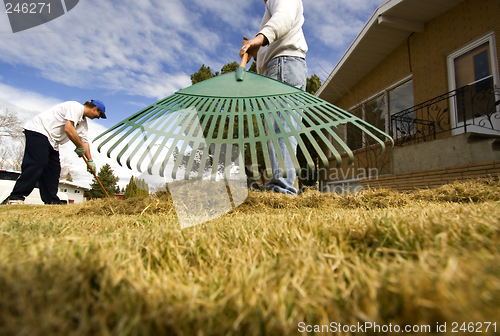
(419, 47)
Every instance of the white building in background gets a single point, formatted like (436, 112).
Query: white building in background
(68, 192)
(71, 192)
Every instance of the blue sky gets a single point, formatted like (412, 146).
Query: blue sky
(131, 53)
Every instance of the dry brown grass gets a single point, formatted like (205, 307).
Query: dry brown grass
(111, 267)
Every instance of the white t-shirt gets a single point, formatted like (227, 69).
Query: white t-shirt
(282, 26)
(51, 123)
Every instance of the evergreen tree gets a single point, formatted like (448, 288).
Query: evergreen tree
(136, 188)
(313, 84)
(202, 74)
(130, 189)
(108, 180)
(229, 67)
(253, 67)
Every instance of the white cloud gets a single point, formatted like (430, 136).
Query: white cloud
(232, 13)
(26, 103)
(330, 27)
(336, 23)
(149, 47)
(4, 23)
(120, 46)
(138, 104)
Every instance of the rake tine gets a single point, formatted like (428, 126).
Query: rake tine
(141, 130)
(215, 166)
(334, 151)
(125, 126)
(303, 147)
(168, 156)
(276, 146)
(148, 152)
(192, 156)
(185, 143)
(241, 163)
(286, 115)
(157, 153)
(160, 148)
(204, 159)
(128, 145)
(228, 161)
(224, 126)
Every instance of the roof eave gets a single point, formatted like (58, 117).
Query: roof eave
(390, 25)
(373, 19)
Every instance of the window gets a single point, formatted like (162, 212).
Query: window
(378, 110)
(400, 99)
(376, 115)
(473, 73)
(473, 66)
(354, 135)
(474, 70)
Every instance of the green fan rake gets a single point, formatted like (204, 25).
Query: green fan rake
(227, 114)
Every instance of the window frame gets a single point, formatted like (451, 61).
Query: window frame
(450, 63)
(385, 94)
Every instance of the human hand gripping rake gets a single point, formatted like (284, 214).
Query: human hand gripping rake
(95, 175)
(231, 111)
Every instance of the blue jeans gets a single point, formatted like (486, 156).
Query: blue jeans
(291, 70)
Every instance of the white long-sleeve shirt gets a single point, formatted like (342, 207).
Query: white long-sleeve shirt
(282, 26)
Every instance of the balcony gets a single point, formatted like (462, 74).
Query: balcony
(471, 108)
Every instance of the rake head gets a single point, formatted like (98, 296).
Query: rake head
(208, 128)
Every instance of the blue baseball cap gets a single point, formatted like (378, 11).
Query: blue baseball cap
(100, 106)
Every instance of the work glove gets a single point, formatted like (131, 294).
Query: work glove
(80, 152)
(91, 168)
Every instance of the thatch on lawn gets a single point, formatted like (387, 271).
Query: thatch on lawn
(480, 190)
(110, 267)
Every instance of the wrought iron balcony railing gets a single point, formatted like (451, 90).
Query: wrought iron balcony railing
(469, 108)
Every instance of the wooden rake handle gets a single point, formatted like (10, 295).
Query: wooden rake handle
(240, 72)
(90, 168)
(244, 60)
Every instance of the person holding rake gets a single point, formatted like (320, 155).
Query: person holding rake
(280, 52)
(44, 134)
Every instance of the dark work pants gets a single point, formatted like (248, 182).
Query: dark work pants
(40, 164)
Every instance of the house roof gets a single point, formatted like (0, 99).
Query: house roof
(389, 26)
(73, 185)
(60, 181)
